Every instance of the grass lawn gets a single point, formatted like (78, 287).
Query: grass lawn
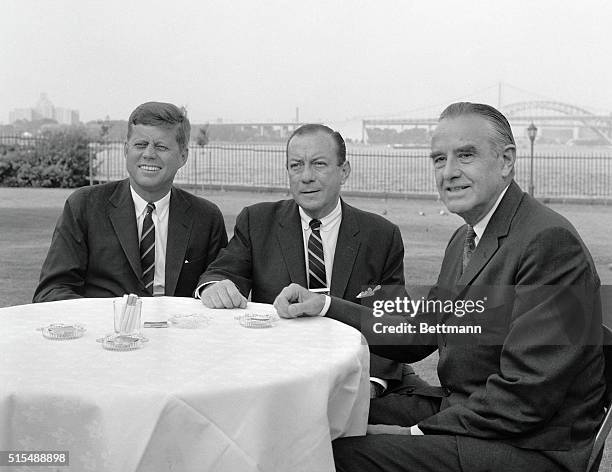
(28, 216)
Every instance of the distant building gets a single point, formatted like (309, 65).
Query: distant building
(65, 116)
(251, 132)
(21, 114)
(45, 109)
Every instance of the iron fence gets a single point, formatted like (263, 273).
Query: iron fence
(376, 170)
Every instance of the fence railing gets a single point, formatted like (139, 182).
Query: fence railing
(375, 171)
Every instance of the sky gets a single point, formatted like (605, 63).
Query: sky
(337, 61)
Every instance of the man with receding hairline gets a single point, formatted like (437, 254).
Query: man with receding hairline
(314, 239)
(140, 235)
(527, 393)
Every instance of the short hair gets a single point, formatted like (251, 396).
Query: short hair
(500, 124)
(165, 115)
(313, 128)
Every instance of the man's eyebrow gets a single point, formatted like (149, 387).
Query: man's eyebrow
(433, 154)
(467, 148)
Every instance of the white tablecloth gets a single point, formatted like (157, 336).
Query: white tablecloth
(219, 398)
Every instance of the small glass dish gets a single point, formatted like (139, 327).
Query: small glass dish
(61, 331)
(257, 320)
(122, 342)
(191, 321)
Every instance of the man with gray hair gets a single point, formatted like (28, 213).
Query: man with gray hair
(524, 393)
(140, 235)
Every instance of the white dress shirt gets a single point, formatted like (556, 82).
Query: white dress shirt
(330, 227)
(160, 220)
(479, 228)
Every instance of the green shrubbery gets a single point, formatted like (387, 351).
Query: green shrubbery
(58, 158)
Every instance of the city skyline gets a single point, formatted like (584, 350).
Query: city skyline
(561, 122)
(45, 109)
(336, 61)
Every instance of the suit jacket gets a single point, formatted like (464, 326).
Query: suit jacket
(534, 377)
(94, 251)
(266, 254)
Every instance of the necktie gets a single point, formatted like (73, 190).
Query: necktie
(316, 260)
(147, 249)
(469, 246)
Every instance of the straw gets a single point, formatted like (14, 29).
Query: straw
(128, 321)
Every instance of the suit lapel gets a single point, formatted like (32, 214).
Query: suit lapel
(123, 219)
(346, 251)
(498, 228)
(290, 239)
(180, 222)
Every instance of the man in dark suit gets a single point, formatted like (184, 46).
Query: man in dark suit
(525, 393)
(276, 243)
(141, 235)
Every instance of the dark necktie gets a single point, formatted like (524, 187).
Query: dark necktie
(147, 249)
(469, 246)
(316, 260)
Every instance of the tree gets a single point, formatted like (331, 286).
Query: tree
(202, 139)
(58, 158)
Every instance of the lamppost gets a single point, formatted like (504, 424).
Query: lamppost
(531, 132)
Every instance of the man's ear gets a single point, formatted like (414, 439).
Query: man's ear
(509, 158)
(184, 155)
(346, 171)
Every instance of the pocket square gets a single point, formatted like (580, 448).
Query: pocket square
(369, 292)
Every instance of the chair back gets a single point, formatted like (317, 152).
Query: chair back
(606, 425)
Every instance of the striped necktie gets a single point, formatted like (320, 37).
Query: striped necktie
(147, 249)
(316, 260)
(468, 246)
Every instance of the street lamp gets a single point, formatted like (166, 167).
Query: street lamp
(531, 132)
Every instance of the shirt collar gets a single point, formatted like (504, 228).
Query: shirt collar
(479, 228)
(326, 221)
(140, 204)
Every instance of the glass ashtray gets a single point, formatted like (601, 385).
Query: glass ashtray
(60, 331)
(191, 321)
(122, 342)
(257, 320)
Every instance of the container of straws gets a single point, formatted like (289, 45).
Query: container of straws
(128, 326)
(128, 315)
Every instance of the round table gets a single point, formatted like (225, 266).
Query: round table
(219, 398)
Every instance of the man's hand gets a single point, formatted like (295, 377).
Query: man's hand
(294, 300)
(223, 294)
